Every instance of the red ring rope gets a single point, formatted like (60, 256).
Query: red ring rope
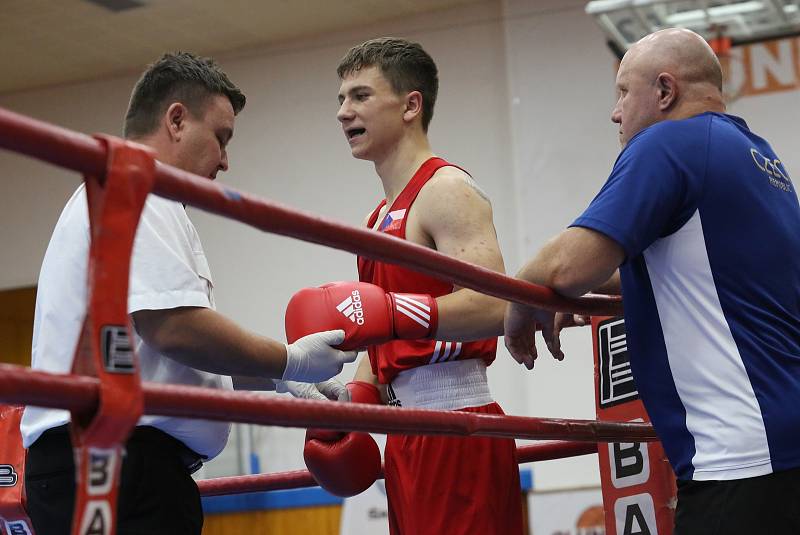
(22, 385)
(298, 479)
(80, 394)
(84, 154)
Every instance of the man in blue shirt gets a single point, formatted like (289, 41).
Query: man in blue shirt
(703, 222)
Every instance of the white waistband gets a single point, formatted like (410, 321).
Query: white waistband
(445, 386)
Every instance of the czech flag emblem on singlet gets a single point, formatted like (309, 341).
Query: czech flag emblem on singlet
(393, 220)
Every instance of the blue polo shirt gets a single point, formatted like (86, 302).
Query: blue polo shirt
(710, 224)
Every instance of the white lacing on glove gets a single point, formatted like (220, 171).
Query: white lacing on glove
(311, 358)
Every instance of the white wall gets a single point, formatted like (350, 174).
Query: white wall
(524, 102)
(34, 193)
(561, 81)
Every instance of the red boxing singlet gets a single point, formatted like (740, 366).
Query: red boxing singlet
(389, 359)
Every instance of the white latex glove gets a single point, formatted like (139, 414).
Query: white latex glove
(326, 390)
(311, 358)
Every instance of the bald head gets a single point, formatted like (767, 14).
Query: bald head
(680, 52)
(670, 74)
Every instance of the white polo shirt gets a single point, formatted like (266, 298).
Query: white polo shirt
(168, 270)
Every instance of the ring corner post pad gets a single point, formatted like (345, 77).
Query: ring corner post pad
(638, 485)
(13, 515)
(105, 349)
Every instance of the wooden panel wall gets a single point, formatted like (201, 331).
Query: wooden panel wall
(16, 325)
(322, 520)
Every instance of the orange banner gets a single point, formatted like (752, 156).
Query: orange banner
(761, 68)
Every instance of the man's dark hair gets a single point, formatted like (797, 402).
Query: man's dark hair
(179, 77)
(405, 65)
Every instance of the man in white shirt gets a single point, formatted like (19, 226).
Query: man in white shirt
(183, 107)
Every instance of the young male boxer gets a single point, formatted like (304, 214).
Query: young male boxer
(429, 342)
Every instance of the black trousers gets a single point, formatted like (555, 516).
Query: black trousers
(157, 494)
(763, 505)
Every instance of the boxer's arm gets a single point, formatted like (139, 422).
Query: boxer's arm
(364, 374)
(364, 371)
(457, 216)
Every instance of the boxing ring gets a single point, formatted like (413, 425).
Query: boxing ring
(105, 395)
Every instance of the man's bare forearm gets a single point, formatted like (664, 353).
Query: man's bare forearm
(613, 286)
(205, 339)
(575, 262)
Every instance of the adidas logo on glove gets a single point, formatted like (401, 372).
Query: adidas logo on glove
(344, 306)
(352, 308)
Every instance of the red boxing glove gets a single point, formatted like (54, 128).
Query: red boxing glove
(364, 392)
(345, 464)
(366, 313)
